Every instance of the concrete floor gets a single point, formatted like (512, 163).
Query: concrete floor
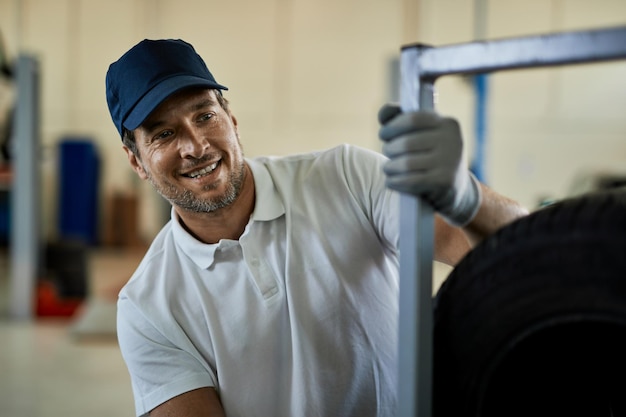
(47, 370)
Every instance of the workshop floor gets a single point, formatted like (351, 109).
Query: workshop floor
(49, 369)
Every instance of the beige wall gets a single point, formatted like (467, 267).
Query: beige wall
(550, 126)
(309, 74)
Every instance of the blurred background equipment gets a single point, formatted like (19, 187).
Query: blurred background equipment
(79, 190)
(7, 107)
(7, 103)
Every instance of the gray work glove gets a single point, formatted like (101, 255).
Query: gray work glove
(425, 159)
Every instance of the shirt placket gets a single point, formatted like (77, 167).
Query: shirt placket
(262, 274)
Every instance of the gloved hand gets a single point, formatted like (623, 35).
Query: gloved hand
(425, 159)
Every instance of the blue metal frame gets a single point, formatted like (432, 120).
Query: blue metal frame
(420, 67)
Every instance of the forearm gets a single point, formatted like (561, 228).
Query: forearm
(495, 212)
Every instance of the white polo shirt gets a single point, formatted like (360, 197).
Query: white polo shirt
(296, 318)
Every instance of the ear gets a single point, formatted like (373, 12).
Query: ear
(135, 163)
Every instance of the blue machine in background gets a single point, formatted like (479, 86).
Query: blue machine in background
(5, 217)
(478, 161)
(79, 168)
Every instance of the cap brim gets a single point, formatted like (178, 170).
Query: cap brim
(149, 102)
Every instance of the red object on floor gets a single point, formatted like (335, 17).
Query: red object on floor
(49, 304)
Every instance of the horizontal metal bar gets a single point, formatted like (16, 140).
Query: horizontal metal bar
(522, 52)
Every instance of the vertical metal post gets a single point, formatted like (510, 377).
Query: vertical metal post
(416, 257)
(24, 242)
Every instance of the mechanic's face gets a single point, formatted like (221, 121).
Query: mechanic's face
(189, 150)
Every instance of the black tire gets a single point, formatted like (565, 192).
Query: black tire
(532, 322)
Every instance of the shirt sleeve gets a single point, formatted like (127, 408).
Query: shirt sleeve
(365, 176)
(159, 370)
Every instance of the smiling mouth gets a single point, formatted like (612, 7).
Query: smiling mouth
(202, 172)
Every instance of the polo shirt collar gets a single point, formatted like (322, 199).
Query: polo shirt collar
(268, 206)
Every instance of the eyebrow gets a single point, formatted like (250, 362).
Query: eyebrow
(203, 103)
(150, 126)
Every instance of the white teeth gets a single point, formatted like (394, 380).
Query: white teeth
(203, 171)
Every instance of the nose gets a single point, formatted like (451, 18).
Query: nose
(192, 142)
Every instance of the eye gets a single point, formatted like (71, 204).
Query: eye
(163, 135)
(204, 117)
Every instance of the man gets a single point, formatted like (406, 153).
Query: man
(273, 289)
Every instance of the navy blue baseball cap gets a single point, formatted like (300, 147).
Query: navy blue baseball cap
(147, 74)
